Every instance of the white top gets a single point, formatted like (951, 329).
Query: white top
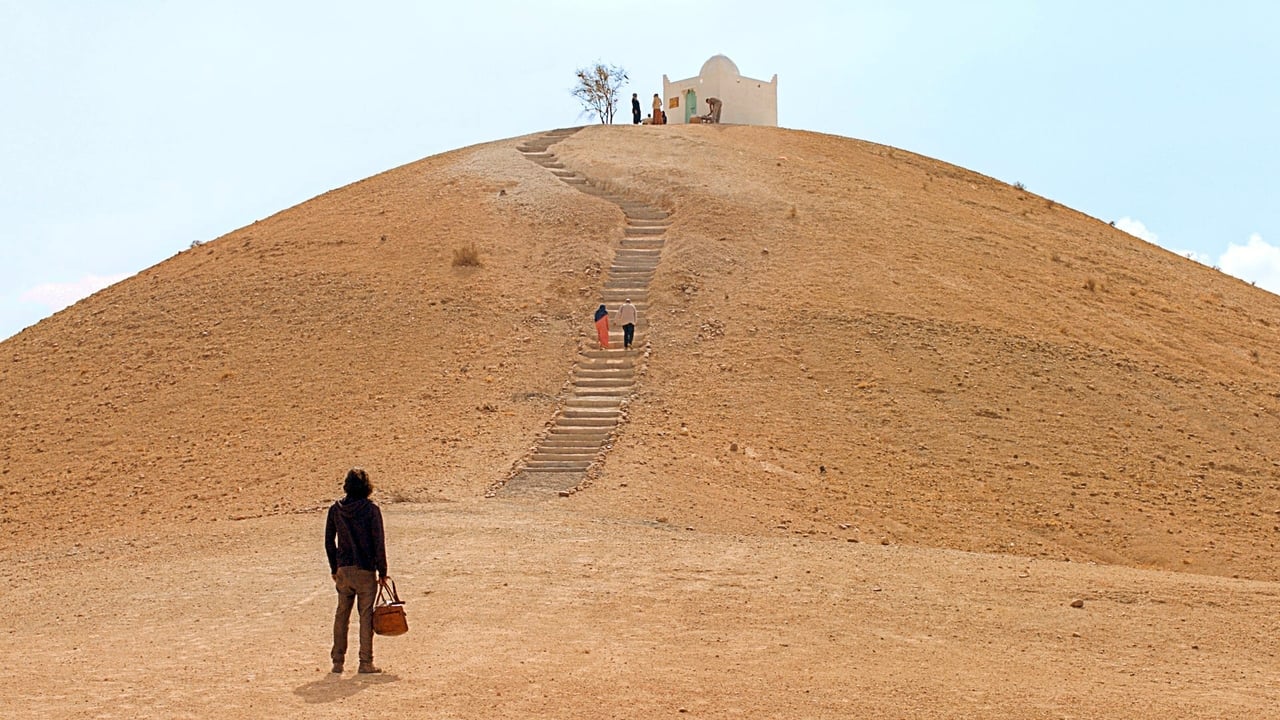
(627, 314)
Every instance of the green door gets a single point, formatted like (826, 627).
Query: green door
(690, 104)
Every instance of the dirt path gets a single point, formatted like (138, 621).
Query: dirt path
(530, 610)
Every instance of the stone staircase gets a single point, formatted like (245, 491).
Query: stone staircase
(603, 380)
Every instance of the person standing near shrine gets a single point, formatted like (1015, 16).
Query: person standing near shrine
(658, 118)
(627, 316)
(635, 109)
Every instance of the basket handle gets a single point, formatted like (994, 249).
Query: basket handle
(387, 595)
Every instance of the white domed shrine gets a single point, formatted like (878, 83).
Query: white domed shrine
(744, 100)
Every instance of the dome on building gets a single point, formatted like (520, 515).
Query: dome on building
(718, 64)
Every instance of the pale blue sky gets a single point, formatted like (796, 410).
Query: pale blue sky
(130, 129)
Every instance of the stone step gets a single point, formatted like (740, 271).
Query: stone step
(643, 211)
(597, 423)
(577, 447)
(612, 354)
(642, 244)
(581, 429)
(596, 435)
(584, 373)
(617, 361)
(580, 434)
(556, 466)
(620, 391)
(613, 372)
(622, 381)
(551, 165)
(593, 402)
(592, 413)
(608, 381)
(572, 447)
(576, 443)
(587, 454)
(643, 231)
(574, 180)
(603, 383)
(638, 222)
(564, 173)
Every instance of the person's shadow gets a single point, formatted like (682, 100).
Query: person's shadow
(336, 687)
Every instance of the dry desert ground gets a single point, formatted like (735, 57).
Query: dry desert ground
(902, 441)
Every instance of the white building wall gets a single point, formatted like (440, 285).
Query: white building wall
(747, 101)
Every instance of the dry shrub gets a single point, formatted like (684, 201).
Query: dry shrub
(466, 256)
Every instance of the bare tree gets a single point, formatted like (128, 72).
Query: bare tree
(597, 89)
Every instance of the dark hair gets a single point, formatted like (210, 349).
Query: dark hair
(357, 484)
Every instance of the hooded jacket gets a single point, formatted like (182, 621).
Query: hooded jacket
(353, 536)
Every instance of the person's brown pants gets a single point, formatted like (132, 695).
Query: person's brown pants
(354, 584)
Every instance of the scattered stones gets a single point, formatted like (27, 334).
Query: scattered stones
(1077, 603)
(733, 447)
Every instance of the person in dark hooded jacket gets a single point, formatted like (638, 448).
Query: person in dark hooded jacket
(354, 542)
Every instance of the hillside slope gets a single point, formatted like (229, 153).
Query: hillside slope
(848, 342)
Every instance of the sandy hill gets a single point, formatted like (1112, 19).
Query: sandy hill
(849, 343)
(974, 366)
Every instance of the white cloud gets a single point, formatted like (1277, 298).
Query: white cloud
(1257, 262)
(56, 296)
(1136, 229)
